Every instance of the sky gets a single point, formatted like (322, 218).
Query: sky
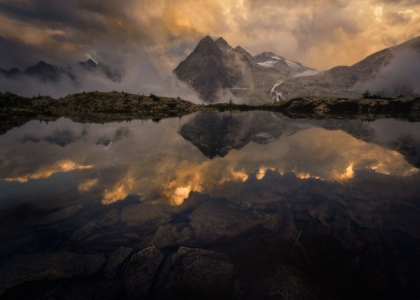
(155, 35)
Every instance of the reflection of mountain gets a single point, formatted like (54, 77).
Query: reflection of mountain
(121, 133)
(60, 137)
(216, 134)
(404, 143)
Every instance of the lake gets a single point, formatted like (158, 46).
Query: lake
(232, 205)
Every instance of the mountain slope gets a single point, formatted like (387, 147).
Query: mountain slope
(112, 74)
(352, 81)
(215, 69)
(46, 72)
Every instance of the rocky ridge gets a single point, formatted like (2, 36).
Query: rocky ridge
(218, 71)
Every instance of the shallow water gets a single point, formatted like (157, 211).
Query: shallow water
(337, 200)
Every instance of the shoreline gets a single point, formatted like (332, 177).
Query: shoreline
(97, 107)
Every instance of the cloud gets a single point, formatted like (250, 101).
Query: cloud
(400, 76)
(149, 38)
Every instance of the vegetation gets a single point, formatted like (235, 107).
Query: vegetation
(104, 107)
(154, 97)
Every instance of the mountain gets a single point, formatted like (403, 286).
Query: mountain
(216, 134)
(49, 73)
(391, 66)
(11, 73)
(216, 71)
(104, 70)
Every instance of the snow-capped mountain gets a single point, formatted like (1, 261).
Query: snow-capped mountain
(217, 71)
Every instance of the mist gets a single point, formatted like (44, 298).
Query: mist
(140, 77)
(400, 77)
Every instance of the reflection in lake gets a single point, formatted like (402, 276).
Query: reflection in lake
(332, 203)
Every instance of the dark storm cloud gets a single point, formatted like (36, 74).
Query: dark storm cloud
(148, 38)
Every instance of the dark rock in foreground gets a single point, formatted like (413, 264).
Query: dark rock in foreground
(48, 266)
(187, 274)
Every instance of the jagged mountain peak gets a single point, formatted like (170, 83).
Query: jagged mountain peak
(91, 62)
(245, 53)
(11, 72)
(207, 46)
(221, 42)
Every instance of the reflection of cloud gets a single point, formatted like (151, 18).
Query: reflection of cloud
(47, 171)
(311, 153)
(158, 163)
(87, 185)
(121, 190)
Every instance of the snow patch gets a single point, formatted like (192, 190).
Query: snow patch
(277, 95)
(268, 64)
(292, 64)
(307, 73)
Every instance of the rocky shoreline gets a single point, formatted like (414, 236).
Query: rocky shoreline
(97, 107)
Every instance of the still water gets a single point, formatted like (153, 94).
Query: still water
(280, 208)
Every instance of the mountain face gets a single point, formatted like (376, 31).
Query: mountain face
(104, 70)
(352, 81)
(46, 72)
(216, 71)
(53, 74)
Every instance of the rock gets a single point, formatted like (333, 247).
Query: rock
(59, 215)
(102, 290)
(365, 206)
(289, 283)
(373, 280)
(110, 219)
(137, 214)
(141, 271)
(115, 259)
(198, 274)
(214, 221)
(48, 266)
(82, 233)
(166, 235)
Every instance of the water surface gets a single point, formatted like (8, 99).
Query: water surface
(334, 199)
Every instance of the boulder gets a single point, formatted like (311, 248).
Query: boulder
(141, 271)
(48, 266)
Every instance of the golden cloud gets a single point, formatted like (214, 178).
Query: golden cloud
(87, 185)
(47, 171)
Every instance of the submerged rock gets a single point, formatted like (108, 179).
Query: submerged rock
(82, 233)
(115, 259)
(289, 283)
(48, 266)
(197, 274)
(137, 214)
(141, 271)
(214, 221)
(59, 215)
